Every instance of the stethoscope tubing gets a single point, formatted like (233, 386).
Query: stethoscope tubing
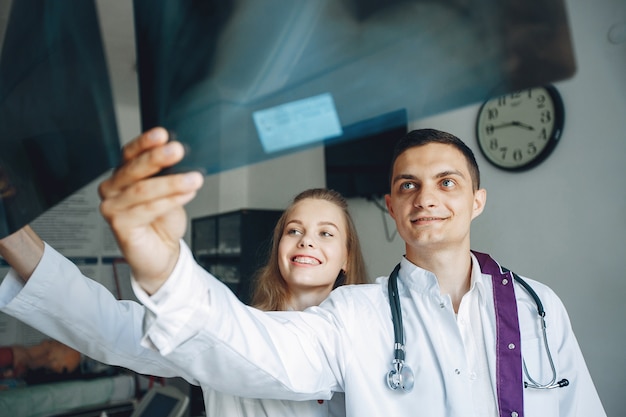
(396, 314)
(542, 315)
(398, 330)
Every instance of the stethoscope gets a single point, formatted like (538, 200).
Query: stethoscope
(401, 375)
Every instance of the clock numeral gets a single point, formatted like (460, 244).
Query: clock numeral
(503, 151)
(489, 129)
(546, 116)
(493, 144)
(502, 101)
(541, 101)
(517, 154)
(492, 113)
(543, 134)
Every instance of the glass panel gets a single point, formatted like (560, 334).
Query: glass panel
(57, 120)
(206, 67)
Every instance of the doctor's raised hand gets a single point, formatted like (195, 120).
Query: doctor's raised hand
(146, 211)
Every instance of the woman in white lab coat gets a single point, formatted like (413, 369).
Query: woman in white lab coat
(315, 248)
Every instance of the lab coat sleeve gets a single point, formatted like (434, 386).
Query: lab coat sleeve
(61, 302)
(197, 322)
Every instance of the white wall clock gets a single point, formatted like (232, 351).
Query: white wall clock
(517, 131)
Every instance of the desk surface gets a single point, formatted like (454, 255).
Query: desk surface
(44, 400)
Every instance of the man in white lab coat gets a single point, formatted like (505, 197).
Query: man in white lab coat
(469, 327)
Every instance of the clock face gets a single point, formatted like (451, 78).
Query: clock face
(519, 130)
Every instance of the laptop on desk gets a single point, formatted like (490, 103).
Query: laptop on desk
(162, 401)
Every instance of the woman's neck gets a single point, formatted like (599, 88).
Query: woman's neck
(301, 300)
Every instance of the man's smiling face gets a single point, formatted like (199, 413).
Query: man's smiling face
(432, 199)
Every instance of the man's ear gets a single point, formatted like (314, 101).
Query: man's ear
(480, 199)
(389, 208)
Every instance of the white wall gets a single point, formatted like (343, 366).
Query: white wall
(563, 223)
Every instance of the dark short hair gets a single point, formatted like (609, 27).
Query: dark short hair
(421, 137)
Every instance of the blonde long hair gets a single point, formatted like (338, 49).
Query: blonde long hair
(271, 292)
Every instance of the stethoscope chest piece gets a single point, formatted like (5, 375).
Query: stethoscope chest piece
(401, 376)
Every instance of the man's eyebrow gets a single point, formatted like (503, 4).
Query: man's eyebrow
(403, 177)
(448, 173)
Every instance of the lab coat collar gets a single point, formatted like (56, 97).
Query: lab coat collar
(425, 282)
(417, 279)
(478, 282)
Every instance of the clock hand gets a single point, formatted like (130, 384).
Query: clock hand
(522, 125)
(514, 123)
(503, 125)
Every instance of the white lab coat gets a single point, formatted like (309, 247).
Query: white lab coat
(346, 344)
(59, 301)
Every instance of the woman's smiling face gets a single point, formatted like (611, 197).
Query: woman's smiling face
(313, 247)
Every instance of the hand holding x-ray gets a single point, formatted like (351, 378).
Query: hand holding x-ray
(145, 210)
